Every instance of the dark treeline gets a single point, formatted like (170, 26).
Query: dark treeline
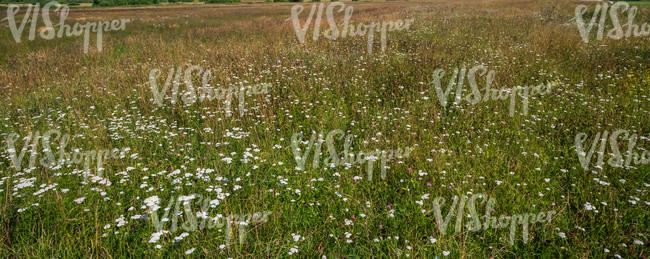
(105, 3)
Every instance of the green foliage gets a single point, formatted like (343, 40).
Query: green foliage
(105, 3)
(222, 1)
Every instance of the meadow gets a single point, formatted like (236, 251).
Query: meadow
(239, 158)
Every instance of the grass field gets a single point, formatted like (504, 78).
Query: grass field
(238, 156)
(640, 3)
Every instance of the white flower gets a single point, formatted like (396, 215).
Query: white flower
(181, 236)
(191, 250)
(562, 235)
(80, 200)
(156, 236)
(293, 250)
(152, 202)
(446, 253)
(120, 221)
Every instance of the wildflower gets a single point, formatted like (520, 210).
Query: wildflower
(293, 250)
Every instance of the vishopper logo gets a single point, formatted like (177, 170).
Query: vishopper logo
(65, 158)
(346, 158)
(616, 159)
(617, 32)
(457, 79)
(203, 93)
(191, 220)
(346, 29)
(48, 32)
(475, 224)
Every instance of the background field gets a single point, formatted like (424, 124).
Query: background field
(526, 162)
